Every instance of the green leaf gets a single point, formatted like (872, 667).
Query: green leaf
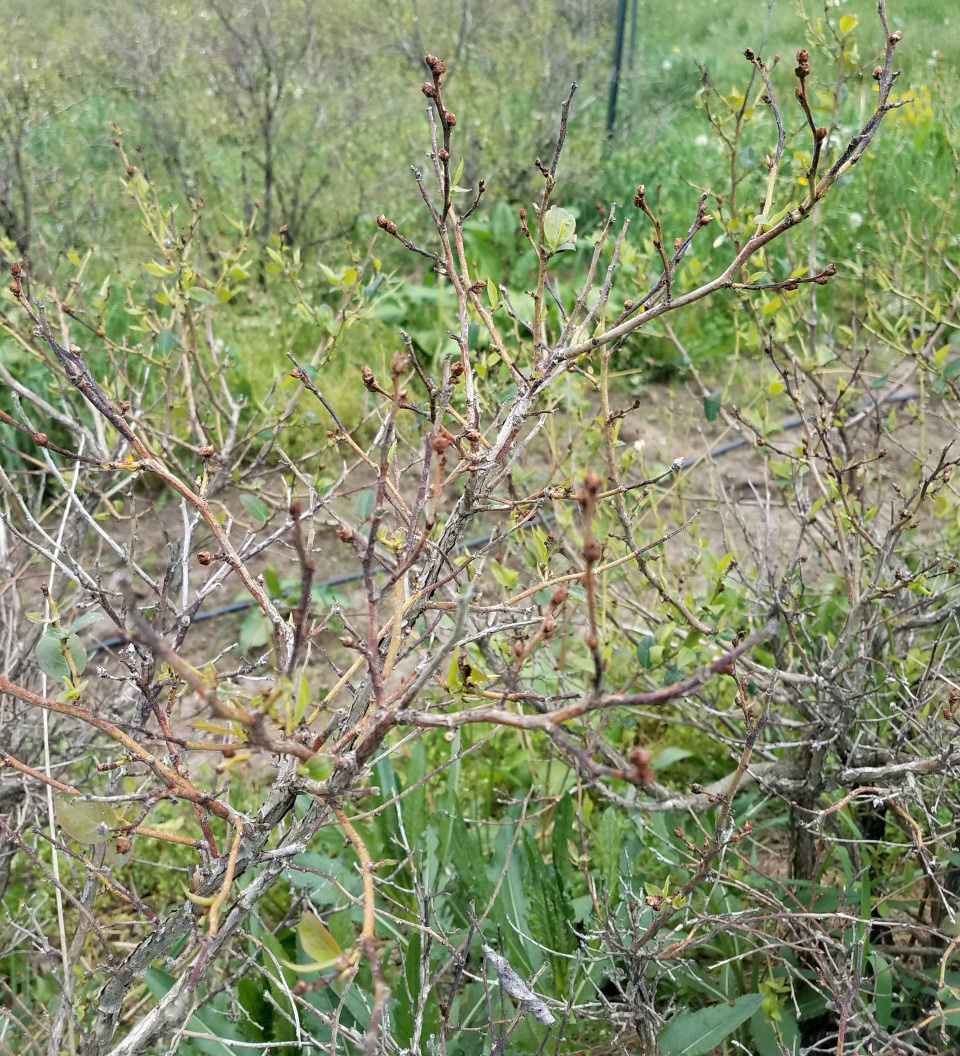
(697, 1033)
(256, 507)
(165, 343)
(506, 577)
(952, 369)
(711, 407)
(85, 621)
(50, 657)
(89, 823)
(202, 296)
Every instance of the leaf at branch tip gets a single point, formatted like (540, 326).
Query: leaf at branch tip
(848, 24)
(530, 1003)
(559, 229)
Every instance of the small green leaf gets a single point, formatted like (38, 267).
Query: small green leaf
(256, 507)
(711, 406)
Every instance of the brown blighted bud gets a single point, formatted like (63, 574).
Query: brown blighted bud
(549, 626)
(428, 90)
(369, 380)
(449, 118)
(472, 435)
(707, 218)
(523, 215)
(591, 482)
(130, 170)
(205, 557)
(749, 54)
(640, 197)
(344, 533)
(559, 597)
(387, 225)
(640, 760)
(877, 72)
(207, 451)
(283, 229)
(15, 288)
(479, 287)
(124, 843)
(115, 141)
(821, 134)
(76, 350)
(15, 268)
(40, 439)
(830, 269)
(441, 443)
(895, 38)
(456, 371)
(296, 510)
(592, 552)
(399, 363)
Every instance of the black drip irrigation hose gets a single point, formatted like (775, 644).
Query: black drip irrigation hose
(481, 540)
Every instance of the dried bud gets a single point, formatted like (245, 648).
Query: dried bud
(443, 154)
(591, 482)
(387, 225)
(428, 90)
(456, 371)
(749, 54)
(369, 380)
(15, 288)
(821, 134)
(640, 197)
(76, 350)
(204, 557)
(559, 597)
(207, 451)
(697, 789)
(344, 534)
(549, 626)
(441, 443)
(830, 269)
(130, 170)
(707, 218)
(296, 510)
(895, 38)
(283, 229)
(124, 843)
(437, 66)
(523, 215)
(472, 435)
(40, 439)
(449, 118)
(399, 363)
(15, 268)
(877, 72)
(479, 286)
